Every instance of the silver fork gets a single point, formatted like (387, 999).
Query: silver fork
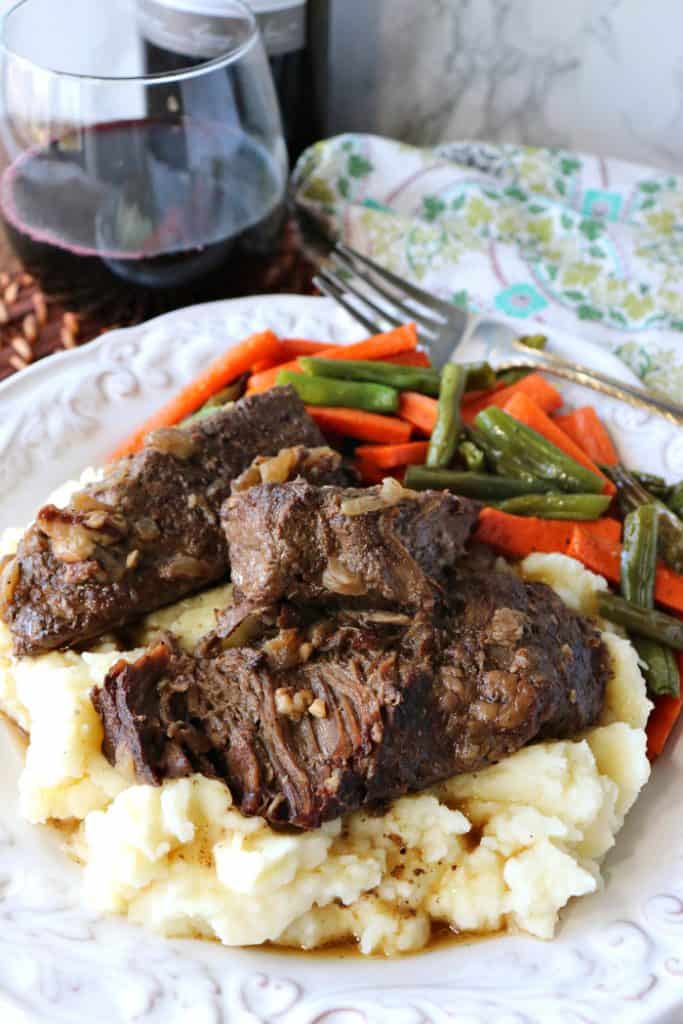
(376, 297)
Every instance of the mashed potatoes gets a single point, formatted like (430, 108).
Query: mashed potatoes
(502, 848)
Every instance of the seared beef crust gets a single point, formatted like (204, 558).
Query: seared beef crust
(299, 542)
(149, 532)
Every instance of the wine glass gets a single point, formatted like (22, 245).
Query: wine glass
(140, 165)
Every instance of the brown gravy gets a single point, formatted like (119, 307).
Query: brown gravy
(442, 937)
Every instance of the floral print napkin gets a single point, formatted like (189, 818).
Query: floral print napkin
(590, 246)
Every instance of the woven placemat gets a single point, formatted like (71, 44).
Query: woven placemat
(34, 324)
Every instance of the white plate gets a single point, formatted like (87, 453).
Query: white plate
(618, 956)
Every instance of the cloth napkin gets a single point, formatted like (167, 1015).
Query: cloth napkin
(593, 247)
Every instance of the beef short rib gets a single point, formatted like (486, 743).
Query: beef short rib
(149, 532)
(320, 714)
(384, 544)
(318, 466)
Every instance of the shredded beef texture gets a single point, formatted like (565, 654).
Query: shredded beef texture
(308, 715)
(295, 541)
(149, 532)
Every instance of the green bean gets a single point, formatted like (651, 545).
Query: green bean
(403, 378)
(348, 394)
(558, 506)
(200, 414)
(505, 464)
(638, 568)
(670, 537)
(480, 376)
(656, 485)
(472, 456)
(536, 341)
(231, 393)
(661, 667)
(514, 375)
(219, 400)
(631, 495)
(674, 499)
(470, 485)
(643, 621)
(639, 556)
(522, 447)
(446, 432)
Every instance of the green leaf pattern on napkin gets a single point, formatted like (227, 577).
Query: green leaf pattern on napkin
(592, 246)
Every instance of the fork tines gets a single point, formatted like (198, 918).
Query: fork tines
(363, 288)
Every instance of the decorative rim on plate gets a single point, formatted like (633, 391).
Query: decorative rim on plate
(618, 955)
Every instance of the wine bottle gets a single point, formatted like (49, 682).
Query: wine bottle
(180, 33)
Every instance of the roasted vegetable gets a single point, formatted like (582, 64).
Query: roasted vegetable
(403, 378)
(558, 506)
(521, 451)
(230, 394)
(639, 556)
(638, 570)
(656, 485)
(535, 341)
(661, 667)
(631, 495)
(483, 486)
(643, 621)
(674, 499)
(472, 456)
(347, 394)
(446, 433)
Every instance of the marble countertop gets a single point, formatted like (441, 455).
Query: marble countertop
(601, 76)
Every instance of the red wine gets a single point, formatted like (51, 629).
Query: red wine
(162, 206)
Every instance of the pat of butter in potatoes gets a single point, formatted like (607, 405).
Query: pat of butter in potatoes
(506, 847)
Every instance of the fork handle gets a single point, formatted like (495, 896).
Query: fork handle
(601, 382)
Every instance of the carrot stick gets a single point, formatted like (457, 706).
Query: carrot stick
(606, 530)
(388, 456)
(265, 364)
(365, 426)
(669, 588)
(534, 386)
(288, 350)
(524, 409)
(415, 358)
(474, 396)
(217, 375)
(519, 536)
(267, 379)
(598, 556)
(585, 427)
(293, 347)
(381, 346)
(371, 474)
(420, 410)
(603, 556)
(662, 720)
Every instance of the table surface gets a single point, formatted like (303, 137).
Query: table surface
(34, 325)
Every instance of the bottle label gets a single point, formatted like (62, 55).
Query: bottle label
(200, 28)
